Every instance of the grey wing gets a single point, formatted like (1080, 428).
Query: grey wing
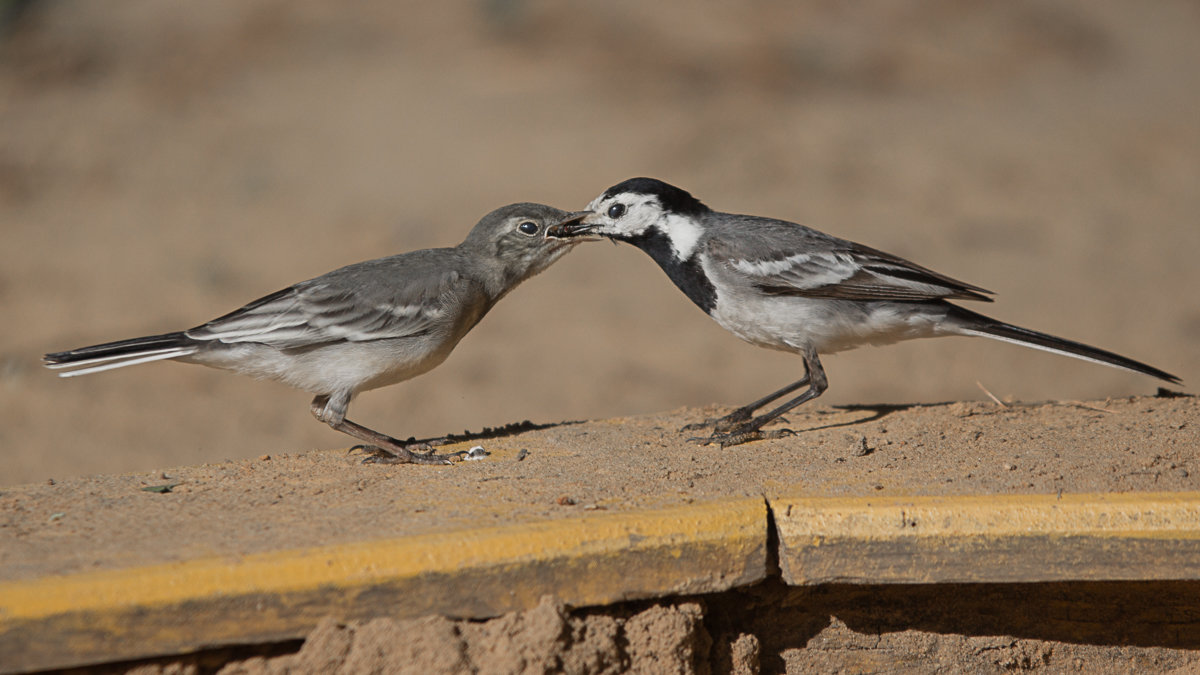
(783, 258)
(369, 301)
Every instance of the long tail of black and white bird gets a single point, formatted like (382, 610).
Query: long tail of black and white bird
(112, 355)
(973, 323)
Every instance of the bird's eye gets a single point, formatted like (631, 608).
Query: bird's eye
(528, 227)
(616, 210)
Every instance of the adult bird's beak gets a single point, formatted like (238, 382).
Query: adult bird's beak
(570, 226)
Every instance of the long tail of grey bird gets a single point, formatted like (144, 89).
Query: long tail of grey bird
(110, 355)
(971, 323)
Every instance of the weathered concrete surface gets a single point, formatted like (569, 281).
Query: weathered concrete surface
(1135, 536)
(98, 568)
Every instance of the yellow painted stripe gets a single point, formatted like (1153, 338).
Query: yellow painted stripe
(1173, 515)
(802, 522)
(363, 563)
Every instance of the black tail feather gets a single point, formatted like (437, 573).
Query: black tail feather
(108, 350)
(989, 327)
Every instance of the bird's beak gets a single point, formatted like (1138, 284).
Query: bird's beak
(573, 225)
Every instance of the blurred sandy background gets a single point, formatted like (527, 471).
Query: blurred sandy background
(162, 163)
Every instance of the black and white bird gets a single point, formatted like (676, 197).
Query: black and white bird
(360, 327)
(784, 286)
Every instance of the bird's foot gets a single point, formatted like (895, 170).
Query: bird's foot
(405, 455)
(736, 437)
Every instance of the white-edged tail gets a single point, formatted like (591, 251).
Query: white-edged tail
(114, 362)
(972, 323)
(112, 355)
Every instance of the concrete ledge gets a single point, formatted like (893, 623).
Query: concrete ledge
(141, 611)
(996, 538)
(163, 609)
(98, 569)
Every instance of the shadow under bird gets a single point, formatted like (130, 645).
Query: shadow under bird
(784, 286)
(360, 327)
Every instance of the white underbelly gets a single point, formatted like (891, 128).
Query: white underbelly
(793, 323)
(340, 366)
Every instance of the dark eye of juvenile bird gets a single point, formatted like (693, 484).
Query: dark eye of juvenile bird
(528, 227)
(616, 210)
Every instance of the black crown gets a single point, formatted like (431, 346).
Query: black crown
(672, 198)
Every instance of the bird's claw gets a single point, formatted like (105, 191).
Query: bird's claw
(735, 437)
(406, 456)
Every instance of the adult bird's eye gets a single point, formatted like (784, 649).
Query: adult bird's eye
(616, 210)
(528, 227)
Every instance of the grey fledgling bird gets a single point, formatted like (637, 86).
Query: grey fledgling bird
(784, 286)
(360, 327)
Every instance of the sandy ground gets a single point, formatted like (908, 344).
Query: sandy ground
(163, 163)
(568, 471)
(324, 498)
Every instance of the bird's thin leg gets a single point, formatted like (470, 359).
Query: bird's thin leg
(733, 419)
(332, 411)
(751, 430)
(399, 451)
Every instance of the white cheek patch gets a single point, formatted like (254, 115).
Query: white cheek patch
(624, 226)
(683, 233)
(628, 226)
(635, 221)
(643, 212)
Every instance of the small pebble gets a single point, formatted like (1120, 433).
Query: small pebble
(861, 449)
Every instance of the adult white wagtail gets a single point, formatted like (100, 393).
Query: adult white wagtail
(360, 327)
(785, 286)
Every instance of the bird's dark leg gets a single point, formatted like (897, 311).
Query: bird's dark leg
(398, 452)
(332, 411)
(733, 419)
(751, 430)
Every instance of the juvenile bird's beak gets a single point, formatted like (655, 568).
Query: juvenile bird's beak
(571, 226)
